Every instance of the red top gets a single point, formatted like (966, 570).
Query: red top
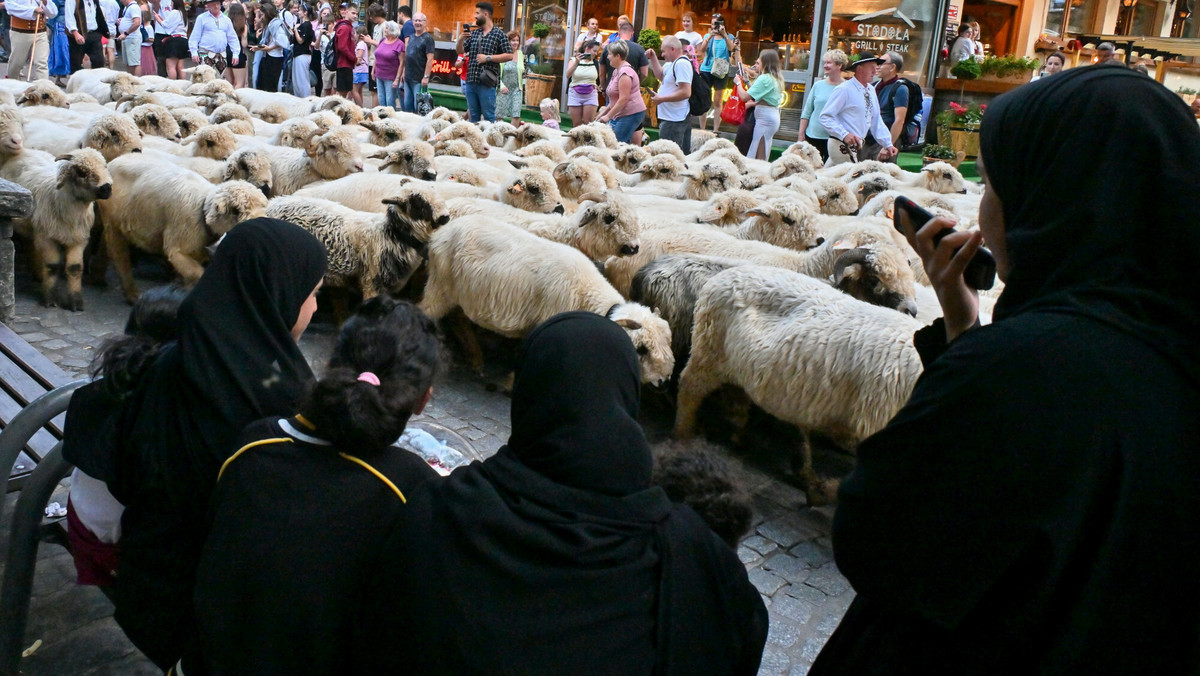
(343, 44)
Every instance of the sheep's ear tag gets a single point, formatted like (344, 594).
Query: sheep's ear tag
(515, 189)
(842, 245)
(821, 201)
(628, 324)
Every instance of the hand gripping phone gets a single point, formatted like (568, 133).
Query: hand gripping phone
(980, 273)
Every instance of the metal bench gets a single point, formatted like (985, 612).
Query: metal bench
(26, 375)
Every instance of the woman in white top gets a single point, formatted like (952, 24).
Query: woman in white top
(592, 33)
(583, 76)
(814, 101)
(689, 30)
(175, 46)
(273, 39)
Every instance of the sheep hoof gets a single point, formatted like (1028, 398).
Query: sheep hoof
(74, 302)
(821, 492)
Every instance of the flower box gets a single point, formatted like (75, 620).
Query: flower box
(965, 141)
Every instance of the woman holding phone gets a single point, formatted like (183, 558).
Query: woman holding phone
(583, 73)
(1047, 461)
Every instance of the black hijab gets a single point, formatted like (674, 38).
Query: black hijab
(557, 555)
(235, 361)
(575, 405)
(1095, 169)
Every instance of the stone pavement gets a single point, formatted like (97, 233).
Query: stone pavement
(787, 554)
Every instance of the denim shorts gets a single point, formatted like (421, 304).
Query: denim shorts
(360, 78)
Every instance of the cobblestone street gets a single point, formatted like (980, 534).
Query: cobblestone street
(787, 554)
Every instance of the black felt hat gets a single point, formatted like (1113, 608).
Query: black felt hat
(863, 59)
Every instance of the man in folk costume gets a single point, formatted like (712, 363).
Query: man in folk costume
(87, 26)
(30, 45)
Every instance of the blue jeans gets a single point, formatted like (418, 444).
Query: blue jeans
(408, 96)
(385, 91)
(481, 102)
(625, 125)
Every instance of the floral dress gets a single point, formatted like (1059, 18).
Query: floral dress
(511, 76)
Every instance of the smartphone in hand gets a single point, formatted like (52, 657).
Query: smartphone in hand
(980, 273)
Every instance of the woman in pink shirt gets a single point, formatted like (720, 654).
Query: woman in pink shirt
(389, 64)
(626, 109)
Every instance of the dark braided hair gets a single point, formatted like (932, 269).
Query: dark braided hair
(396, 342)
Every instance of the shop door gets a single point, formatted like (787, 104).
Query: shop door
(547, 55)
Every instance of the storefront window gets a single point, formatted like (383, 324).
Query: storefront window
(1082, 14)
(1056, 13)
(1145, 18)
(757, 24)
(447, 17)
(901, 26)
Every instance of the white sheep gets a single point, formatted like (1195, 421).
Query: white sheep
(64, 188)
(111, 134)
(377, 253)
(103, 83)
(155, 120)
(366, 192)
(168, 210)
(878, 273)
(664, 147)
(603, 226)
(805, 353)
(471, 265)
(409, 158)
(713, 176)
(12, 132)
(330, 156)
(808, 151)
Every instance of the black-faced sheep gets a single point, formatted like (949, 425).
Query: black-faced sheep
(805, 353)
(528, 134)
(628, 158)
(712, 177)
(168, 210)
(295, 133)
(190, 120)
(64, 189)
(604, 225)
(111, 134)
(471, 265)
(584, 136)
(376, 253)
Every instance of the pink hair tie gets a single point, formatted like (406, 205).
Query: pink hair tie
(368, 377)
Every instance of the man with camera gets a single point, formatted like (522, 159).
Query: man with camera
(485, 48)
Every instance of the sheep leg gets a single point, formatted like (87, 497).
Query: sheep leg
(49, 268)
(464, 333)
(817, 490)
(74, 268)
(96, 255)
(695, 383)
(118, 252)
(187, 267)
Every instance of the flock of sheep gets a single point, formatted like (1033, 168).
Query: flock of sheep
(785, 279)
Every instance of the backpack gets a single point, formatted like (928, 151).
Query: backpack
(329, 56)
(700, 102)
(916, 101)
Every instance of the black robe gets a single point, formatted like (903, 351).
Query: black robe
(557, 556)
(235, 362)
(1035, 507)
(296, 537)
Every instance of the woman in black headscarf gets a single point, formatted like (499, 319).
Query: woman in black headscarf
(1035, 507)
(236, 360)
(557, 556)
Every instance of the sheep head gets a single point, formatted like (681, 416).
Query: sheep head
(156, 120)
(251, 165)
(660, 167)
(577, 177)
(609, 225)
(385, 132)
(875, 273)
(870, 185)
(230, 111)
(711, 147)
(651, 337)
(528, 135)
(835, 197)
(190, 120)
(792, 165)
(83, 175)
(663, 147)
(454, 147)
(12, 131)
(43, 93)
(296, 133)
(113, 135)
(943, 178)
(727, 208)
(783, 222)
(201, 74)
(716, 175)
(335, 154)
(597, 155)
(410, 158)
(230, 203)
(414, 213)
(629, 158)
(548, 149)
(582, 137)
(443, 113)
(325, 120)
(215, 143)
(532, 190)
(272, 113)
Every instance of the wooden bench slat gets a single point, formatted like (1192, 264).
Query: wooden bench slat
(34, 363)
(23, 389)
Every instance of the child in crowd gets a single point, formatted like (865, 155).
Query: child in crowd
(326, 36)
(550, 113)
(361, 68)
(302, 510)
